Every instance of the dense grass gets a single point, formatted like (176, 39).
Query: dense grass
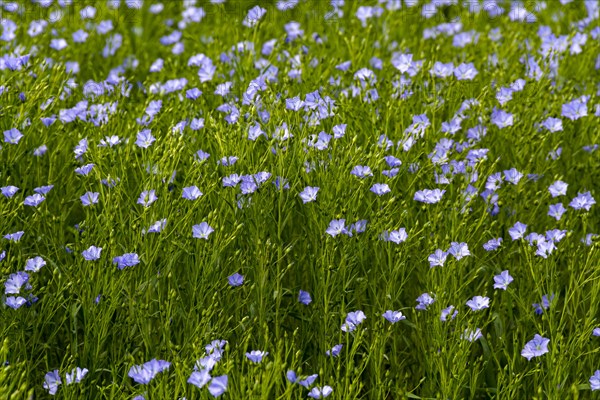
(178, 298)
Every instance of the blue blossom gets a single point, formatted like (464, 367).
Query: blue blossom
(478, 303)
(553, 124)
(558, 188)
(9, 191)
(556, 211)
(76, 375)
(544, 305)
(15, 302)
(52, 381)
(437, 259)
(304, 297)
(393, 316)
(156, 227)
(92, 253)
(256, 356)
(202, 231)
(309, 194)
(380, 189)
(126, 260)
(492, 244)
(84, 169)
(536, 347)
(235, 279)
(429, 196)
(218, 385)
(397, 236)
(336, 227)
(144, 373)
(502, 280)
(16, 282)
(334, 351)
(459, 250)
(517, 231)
(191, 193)
(34, 200)
(14, 237)
(595, 381)
(472, 334)
(34, 264)
(513, 176)
(199, 378)
(89, 198)
(12, 136)
(320, 392)
(361, 171)
(447, 312)
(147, 197)
(145, 139)
(575, 109)
(43, 190)
(583, 201)
(353, 319)
(193, 93)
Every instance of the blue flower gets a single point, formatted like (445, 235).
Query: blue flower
(76, 375)
(447, 312)
(459, 250)
(199, 378)
(309, 194)
(92, 253)
(15, 302)
(320, 392)
(156, 227)
(353, 319)
(144, 373)
(202, 231)
(472, 335)
(478, 303)
(34, 264)
(304, 297)
(503, 280)
(393, 316)
(334, 351)
(336, 227)
(191, 193)
(361, 171)
(236, 279)
(437, 259)
(256, 356)
(34, 200)
(583, 201)
(9, 191)
(595, 381)
(126, 260)
(147, 197)
(12, 136)
(218, 385)
(14, 237)
(84, 170)
(145, 139)
(15, 282)
(517, 231)
(429, 196)
(492, 244)
(535, 347)
(52, 381)
(380, 189)
(424, 301)
(89, 198)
